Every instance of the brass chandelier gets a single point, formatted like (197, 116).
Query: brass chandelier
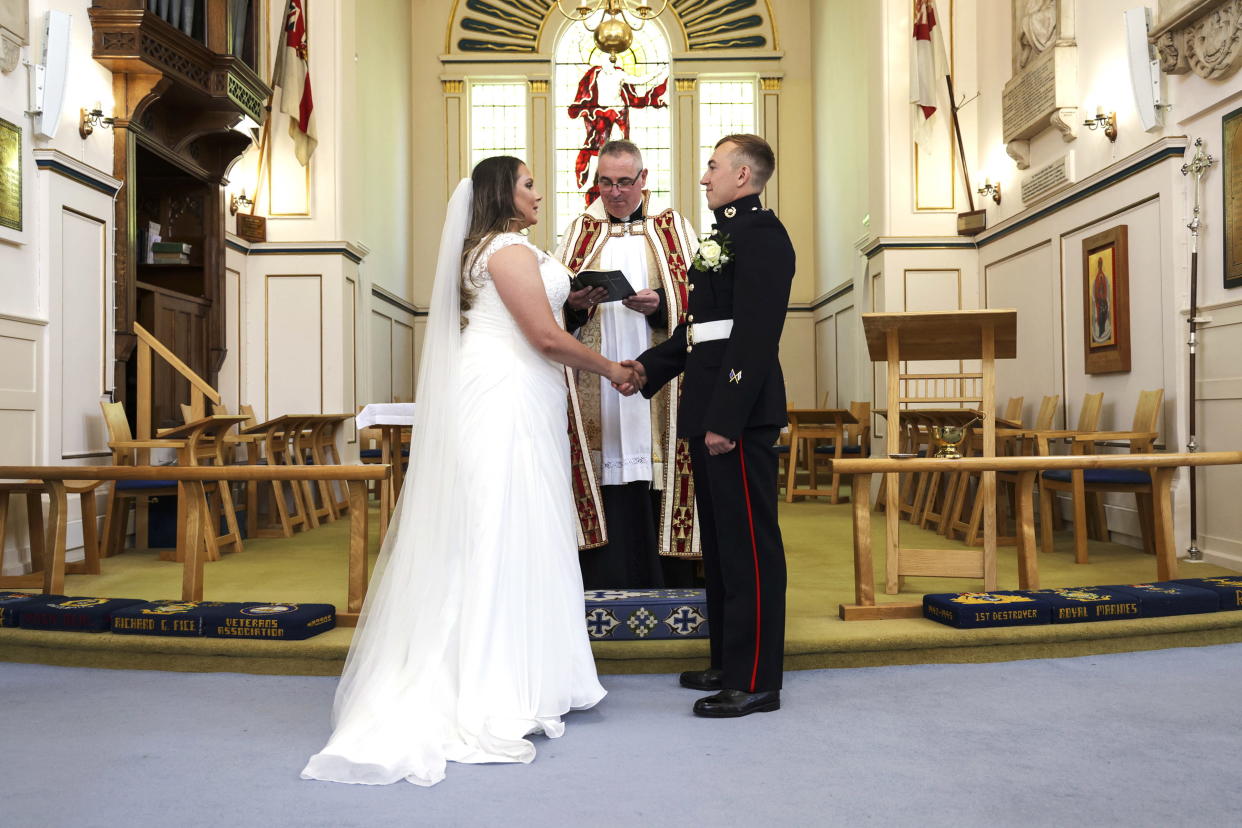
(615, 31)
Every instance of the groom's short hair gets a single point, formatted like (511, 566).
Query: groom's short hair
(622, 147)
(755, 153)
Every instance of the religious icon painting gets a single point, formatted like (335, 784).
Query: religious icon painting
(1106, 302)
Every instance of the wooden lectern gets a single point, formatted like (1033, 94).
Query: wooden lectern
(985, 335)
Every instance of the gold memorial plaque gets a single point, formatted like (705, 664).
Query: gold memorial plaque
(1231, 126)
(10, 175)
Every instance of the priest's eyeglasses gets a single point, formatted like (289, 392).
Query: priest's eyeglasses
(619, 184)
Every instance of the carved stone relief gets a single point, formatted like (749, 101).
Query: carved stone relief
(1043, 91)
(1200, 36)
(14, 32)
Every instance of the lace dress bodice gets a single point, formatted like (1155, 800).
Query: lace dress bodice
(488, 313)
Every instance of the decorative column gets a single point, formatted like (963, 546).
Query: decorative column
(686, 153)
(770, 124)
(540, 138)
(454, 132)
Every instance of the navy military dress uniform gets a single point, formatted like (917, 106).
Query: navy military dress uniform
(728, 350)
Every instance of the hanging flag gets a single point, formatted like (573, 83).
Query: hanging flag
(292, 76)
(928, 64)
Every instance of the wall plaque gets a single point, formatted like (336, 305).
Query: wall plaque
(10, 175)
(1043, 90)
(1231, 126)
(1047, 180)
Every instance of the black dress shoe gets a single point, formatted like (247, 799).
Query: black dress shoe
(728, 704)
(702, 679)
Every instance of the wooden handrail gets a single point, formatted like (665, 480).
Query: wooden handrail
(191, 502)
(180, 367)
(1080, 461)
(203, 474)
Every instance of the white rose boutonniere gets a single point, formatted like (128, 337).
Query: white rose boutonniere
(714, 253)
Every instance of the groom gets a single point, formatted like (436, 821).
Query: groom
(732, 409)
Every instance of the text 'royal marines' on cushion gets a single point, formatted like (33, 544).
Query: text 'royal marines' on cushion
(1073, 604)
(973, 610)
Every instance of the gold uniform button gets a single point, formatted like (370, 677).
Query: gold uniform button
(689, 348)
(691, 287)
(690, 318)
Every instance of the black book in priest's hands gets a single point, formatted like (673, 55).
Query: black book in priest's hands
(613, 281)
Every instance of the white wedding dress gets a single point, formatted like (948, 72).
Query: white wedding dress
(474, 635)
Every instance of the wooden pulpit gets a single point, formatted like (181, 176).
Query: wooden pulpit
(985, 335)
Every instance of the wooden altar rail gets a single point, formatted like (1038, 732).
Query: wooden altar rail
(1162, 468)
(200, 389)
(190, 480)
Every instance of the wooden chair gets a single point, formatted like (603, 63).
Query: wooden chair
(856, 443)
(126, 452)
(370, 451)
(47, 546)
(1082, 482)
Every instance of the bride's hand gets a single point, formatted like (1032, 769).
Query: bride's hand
(624, 379)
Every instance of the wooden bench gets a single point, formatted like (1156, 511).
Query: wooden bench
(1163, 466)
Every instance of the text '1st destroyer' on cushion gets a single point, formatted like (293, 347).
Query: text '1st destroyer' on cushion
(1228, 589)
(1169, 598)
(173, 618)
(631, 614)
(11, 604)
(970, 610)
(273, 621)
(74, 614)
(1071, 604)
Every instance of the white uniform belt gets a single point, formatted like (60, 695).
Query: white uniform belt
(707, 331)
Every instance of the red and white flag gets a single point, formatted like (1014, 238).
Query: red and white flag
(928, 63)
(292, 76)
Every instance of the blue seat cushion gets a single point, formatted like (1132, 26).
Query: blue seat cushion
(1103, 477)
(782, 448)
(844, 450)
(129, 485)
(378, 453)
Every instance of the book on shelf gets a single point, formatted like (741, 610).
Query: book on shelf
(170, 258)
(171, 247)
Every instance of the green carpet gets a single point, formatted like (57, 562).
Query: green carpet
(311, 567)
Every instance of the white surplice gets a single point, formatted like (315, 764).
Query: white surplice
(624, 334)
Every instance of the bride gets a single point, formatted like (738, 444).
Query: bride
(473, 633)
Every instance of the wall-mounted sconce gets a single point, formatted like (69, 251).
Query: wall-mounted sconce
(239, 201)
(990, 189)
(91, 118)
(1107, 121)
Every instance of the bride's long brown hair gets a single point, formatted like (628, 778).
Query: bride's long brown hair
(492, 211)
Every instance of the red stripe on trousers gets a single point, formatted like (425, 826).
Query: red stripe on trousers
(754, 551)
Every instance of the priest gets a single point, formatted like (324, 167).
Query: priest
(631, 475)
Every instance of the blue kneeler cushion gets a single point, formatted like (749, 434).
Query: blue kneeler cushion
(1169, 598)
(1072, 604)
(56, 612)
(272, 621)
(1228, 589)
(975, 610)
(11, 604)
(637, 614)
(182, 619)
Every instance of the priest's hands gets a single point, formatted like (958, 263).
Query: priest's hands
(645, 301)
(587, 298)
(628, 376)
(717, 444)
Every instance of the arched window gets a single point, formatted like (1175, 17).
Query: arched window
(650, 127)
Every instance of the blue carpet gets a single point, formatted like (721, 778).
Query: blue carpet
(1135, 739)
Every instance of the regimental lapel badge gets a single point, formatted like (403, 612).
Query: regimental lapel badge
(730, 212)
(735, 376)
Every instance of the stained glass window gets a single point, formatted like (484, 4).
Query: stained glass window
(650, 127)
(726, 107)
(497, 120)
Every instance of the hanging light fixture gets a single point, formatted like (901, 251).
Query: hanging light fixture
(614, 33)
